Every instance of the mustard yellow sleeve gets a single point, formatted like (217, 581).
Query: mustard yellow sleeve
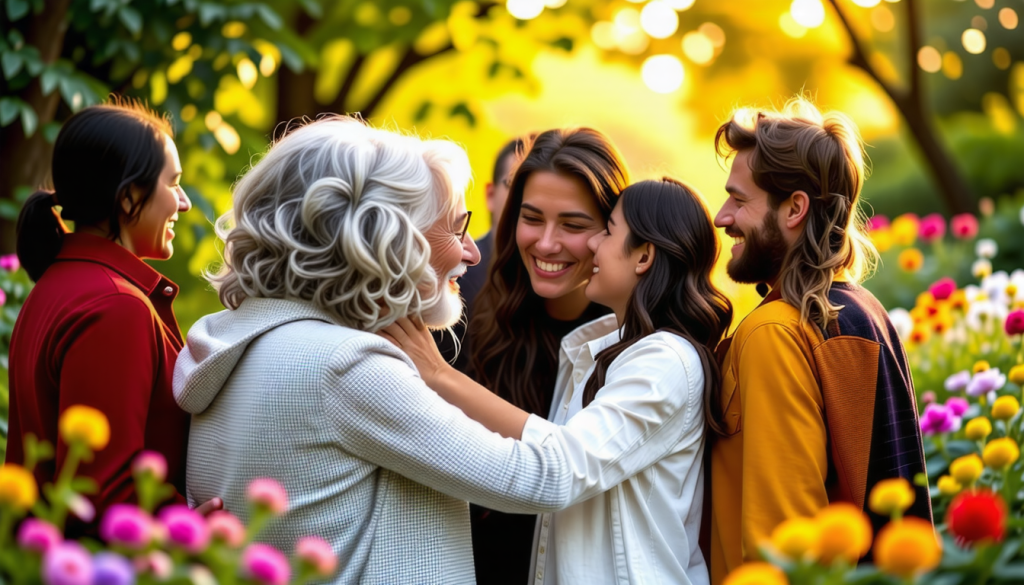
(785, 459)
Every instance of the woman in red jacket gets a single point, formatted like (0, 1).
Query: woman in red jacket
(98, 328)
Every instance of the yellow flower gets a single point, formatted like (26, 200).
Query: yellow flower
(921, 333)
(882, 239)
(980, 366)
(949, 486)
(958, 300)
(904, 229)
(911, 260)
(843, 533)
(925, 299)
(1011, 290)
(1001, 453)
(907, 548)
(1005, 408)
(978, 428)
(891, 496)
(942, 322)
(18, 488)
(795, 537)
(86, 425)
(757, 574)
(1016, 374)
(967, 469)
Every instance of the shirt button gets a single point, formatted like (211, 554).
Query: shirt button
(540, 574)
(545, 523)
(541, 550)
(578, 376)
(168, 291)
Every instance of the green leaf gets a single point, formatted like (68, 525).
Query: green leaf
(11, 63)
(49, 79)
(422, 112)
(1014, 571)
(29, 120)
(313, 8)
(33, 60)
(461, 109)
(50, 131)
(9, 210)
(564, 43)
(208, 12)
(16, 9)
(9, 108)
(131, 19)
(269, 16)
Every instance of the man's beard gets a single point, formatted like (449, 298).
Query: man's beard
(446, 312)
(764, 250)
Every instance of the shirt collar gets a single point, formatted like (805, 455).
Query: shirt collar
(90, 248)
(593, 336)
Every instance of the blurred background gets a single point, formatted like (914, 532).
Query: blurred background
(936, 86)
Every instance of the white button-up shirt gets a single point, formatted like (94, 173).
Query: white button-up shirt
(636, 456)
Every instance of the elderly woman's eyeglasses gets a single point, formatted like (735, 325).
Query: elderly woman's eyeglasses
(461, 234)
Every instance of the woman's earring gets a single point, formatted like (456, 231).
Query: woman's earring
(638, 270)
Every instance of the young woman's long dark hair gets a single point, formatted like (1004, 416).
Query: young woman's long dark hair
(676, 293)
(100, 153)
(511, 353)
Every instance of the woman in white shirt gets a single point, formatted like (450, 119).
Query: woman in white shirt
(632, 401)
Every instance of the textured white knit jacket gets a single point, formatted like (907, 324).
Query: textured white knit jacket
(373, 460)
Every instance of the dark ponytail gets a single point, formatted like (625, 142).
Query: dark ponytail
(100, 154)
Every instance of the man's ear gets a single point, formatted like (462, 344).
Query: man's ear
(646, 258)
(796, 212)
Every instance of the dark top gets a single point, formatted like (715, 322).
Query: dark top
(98, 330)
(503, 543)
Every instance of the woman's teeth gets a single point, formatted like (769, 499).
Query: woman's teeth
(549, 266)
(738, 239)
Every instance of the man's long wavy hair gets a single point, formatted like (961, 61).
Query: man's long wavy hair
(511, 352)
(801, 149)
(676, 294)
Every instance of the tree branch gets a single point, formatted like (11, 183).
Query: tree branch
(409, 60)
(338, 105)
(860, 60)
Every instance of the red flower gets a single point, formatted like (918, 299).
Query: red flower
(1014, 322)
(976, 516)
(964, 226)
(932, 227)
(943, 289)
(877, 222)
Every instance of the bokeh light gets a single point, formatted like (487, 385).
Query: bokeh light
(629, 36)
(662, 73)
(603, 35)
(1008, 18)
(952, 66)
(680, 4)
(883, 19)
(979, 23)
(525, 9)
(1001, 58)
(555, 3)
(973, 41)
(713, 32)
(867, 3)
(791, 27)
(659, 20)
(247, 73)
(698, 48)
(929, 59)
(181, 41)
(986, 4)
(808, 13)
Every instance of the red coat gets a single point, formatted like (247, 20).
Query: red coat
(98, 329)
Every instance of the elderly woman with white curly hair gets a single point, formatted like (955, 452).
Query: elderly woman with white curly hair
(338, 231)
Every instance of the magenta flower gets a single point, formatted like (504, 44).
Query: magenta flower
(225, 527)
(265, 564)
(938, 418)
(958, 405)
(9, 262)
(3, 297)
(964, 226)
(316, 552)
(186, 528)
(268, 493)
(877, 222)
(943, 288)
(112, 569)
(68, 563)
(957, 381)
(150, 462)
(38, 535)
(1014, 322)
(984, 382)
(126, 525)
(928, 397)
(932, 227)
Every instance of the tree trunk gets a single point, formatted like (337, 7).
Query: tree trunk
(26, 160)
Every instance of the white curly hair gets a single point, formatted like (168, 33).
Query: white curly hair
(334, 213)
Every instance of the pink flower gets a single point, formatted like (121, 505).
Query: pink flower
(938, 418)
(932, 227)
(150, 462)
(126, 525)
(877, 222)
(225, 527)
(81, 507)
(958, 381)
(984, 382)
(10, 263)
(943, 288)
(265, 564)
(186, 528)
(964, 226)
(38, 535)
(958, 405)
(928, 397)
(317, 553)
(68, 563)
(1014, 322)
(3, 297)
(268, 493)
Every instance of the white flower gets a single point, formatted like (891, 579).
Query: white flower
(979, 313)
(981, 268)
(986, 248)
(902, 321)
(994, 286)
(1022, 214)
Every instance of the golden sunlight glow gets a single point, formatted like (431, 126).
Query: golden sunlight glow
(525, 9)
(233, 29)
(213, 120)
(227, 137)
(882, 19)
(791, 27)
(698, 48)
(714, 33)
(267, 65)
(247, 73)
(867, 3)
(973, 41)
(952, 66)
(986, 4)
(662, 73)
(555, 3)
(1001, 58)
(929, 59)
(680, 4)
(140, 78)
(603, 35)
(999, 112)
(158, 88)
(1008, 18)
(808, 13)
(181, 67)
(659, 20)
(181, 41)
(399, 15)
(629, 37)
